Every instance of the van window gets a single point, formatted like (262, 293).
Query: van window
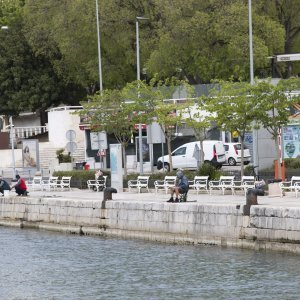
(180, 151)
(226, 147)
(238, 146)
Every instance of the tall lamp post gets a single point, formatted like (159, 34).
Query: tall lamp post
(12, 141)
(12, 132)
(99, 65)
(255, 142)
(99, 48)
(138, 76)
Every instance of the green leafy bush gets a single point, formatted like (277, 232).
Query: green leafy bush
(208, 169)
(292, 163)
(79, 174)
(63, 158)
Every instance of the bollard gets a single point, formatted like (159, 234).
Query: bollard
(107, 193)
(251, 199)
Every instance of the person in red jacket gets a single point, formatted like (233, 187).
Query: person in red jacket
(20, 186)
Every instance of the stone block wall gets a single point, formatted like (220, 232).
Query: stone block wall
(225, 225)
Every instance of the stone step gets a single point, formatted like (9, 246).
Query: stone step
(48, 154)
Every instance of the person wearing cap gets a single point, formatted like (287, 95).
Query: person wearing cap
(20, 186)
(181, 187)
(4, 186)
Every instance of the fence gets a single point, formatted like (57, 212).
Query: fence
(23, 172)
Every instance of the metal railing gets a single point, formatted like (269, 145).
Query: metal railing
(26, 132)
(26, 173)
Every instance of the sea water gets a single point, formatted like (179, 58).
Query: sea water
(45, 265)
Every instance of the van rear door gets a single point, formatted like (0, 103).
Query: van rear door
(220, 152)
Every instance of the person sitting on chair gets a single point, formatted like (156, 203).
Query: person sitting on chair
(20, 186)
(181, 188)
(100, 178)
(98, 175)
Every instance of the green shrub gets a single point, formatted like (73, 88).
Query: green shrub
(292, 163)
(248, 170)
(63, 158)
(208, 169)
(83, 175)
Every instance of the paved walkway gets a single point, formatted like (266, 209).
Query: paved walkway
(215, 199)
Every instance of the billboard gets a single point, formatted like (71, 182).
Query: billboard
(291, 141)
(30, 153)
(145, 149)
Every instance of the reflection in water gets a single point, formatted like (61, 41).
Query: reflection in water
(43, 265)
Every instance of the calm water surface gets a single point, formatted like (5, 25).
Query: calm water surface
(43, 265)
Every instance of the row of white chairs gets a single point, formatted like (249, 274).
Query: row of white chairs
(51, 183)
(199, 183)
(292, 185)
(97, 185)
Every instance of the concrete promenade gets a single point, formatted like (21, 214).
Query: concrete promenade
(289, 200)
(214, 219)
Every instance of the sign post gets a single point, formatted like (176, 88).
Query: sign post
(99, 142)
(116, 166)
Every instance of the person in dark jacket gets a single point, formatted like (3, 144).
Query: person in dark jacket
(181, 188)
(20, 186)
(3, 185)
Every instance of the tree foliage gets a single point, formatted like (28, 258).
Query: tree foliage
(234, 108)
(210, 41)
(109, 112)
(194, 40)
(273, 111)
(27, 80)
(287, 13)
(154, 104)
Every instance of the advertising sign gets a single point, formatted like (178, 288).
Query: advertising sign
(116, 166)
(30, 153)
(98, 140)
(291, 141)
(145, 149)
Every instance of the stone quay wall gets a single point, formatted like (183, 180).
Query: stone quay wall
(225, 225)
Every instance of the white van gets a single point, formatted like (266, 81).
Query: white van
(185, 156)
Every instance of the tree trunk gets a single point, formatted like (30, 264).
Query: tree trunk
(170, 153)
(124, 160)
(242, 158)
(201, 153)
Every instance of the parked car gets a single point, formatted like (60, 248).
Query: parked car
(185, 156)
(233, 153)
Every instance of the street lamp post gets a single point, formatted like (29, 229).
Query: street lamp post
(99, 48)
(12, 135)
(255, 139)
(99, 63)
(12, 132)
(138, 76)
(250, 43)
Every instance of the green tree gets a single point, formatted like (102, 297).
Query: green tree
(197, 117)
(154, 104)
(108, 111)
(273, 111)
(286, 12)
(234, 108)
(204, 41)
(65, 31)
(28, 81)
